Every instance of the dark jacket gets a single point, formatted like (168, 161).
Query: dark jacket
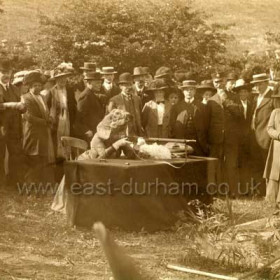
(260, 120)
(224, 120)
(179, 115)
(35, 128)
(133, 107)
(10, 120)
(150, 119)
(90, 112)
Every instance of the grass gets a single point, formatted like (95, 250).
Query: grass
(35, 243)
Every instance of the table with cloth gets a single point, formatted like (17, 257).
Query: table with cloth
(135, 194)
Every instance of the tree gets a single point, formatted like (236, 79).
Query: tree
(128, 33)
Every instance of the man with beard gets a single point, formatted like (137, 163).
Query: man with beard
(139, 76)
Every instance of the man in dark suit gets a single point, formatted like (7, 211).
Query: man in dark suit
(37, 140)
(260, 140)
(224, 114)
(139, 88)
(128, 102)
(109, 88)
(242, 90)
(90, 110)
(10, 128)
(187, 119)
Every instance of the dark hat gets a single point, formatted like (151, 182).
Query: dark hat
(138, 71)
(241, 84)
(157, 84)
(34, 77)
(206, 85)
(93, 76)
(259, 78)
(216, 76)
(163, 72)
(231, 77)
(146, 70)
(5, 65)
(188, 84)
(125, 78)
(108, 70)
(89, 66)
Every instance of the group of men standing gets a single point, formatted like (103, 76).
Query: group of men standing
(227, 121)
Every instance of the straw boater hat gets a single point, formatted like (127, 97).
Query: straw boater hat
(108, 71)
(259, 78)
(89, 66)
(188, 84)
(241, 84)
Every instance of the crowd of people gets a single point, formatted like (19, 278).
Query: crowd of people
(234, 119)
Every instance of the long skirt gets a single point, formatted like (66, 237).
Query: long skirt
(273, 191)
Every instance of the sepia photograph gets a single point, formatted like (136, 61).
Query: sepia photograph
(139, 140)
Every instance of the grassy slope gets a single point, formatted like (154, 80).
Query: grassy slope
(251, 18)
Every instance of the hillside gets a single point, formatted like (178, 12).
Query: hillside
(249, 19)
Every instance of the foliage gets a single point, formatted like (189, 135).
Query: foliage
(127, 33)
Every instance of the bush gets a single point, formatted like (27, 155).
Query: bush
(127, 33)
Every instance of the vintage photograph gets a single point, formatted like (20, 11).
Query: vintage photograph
(139, 139)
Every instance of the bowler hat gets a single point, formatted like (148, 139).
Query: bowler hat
(259, 78)
(89, 66)
(206, 85)
(34, 77)
(157, 84)
(163, 72)
(94, 76)
(188, 84)
(241, 84)
(138, 71)
(108, 70)
(125, 78)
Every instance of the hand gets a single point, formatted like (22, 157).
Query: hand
(120, 143)
(89, 134)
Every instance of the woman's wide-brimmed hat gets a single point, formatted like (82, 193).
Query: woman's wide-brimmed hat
(241, 84)
(259, 78)
(188, 84)
(89, 66)
(62, 70)
(34, 77)
(108, 70)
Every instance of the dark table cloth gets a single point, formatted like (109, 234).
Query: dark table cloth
(135, 194)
